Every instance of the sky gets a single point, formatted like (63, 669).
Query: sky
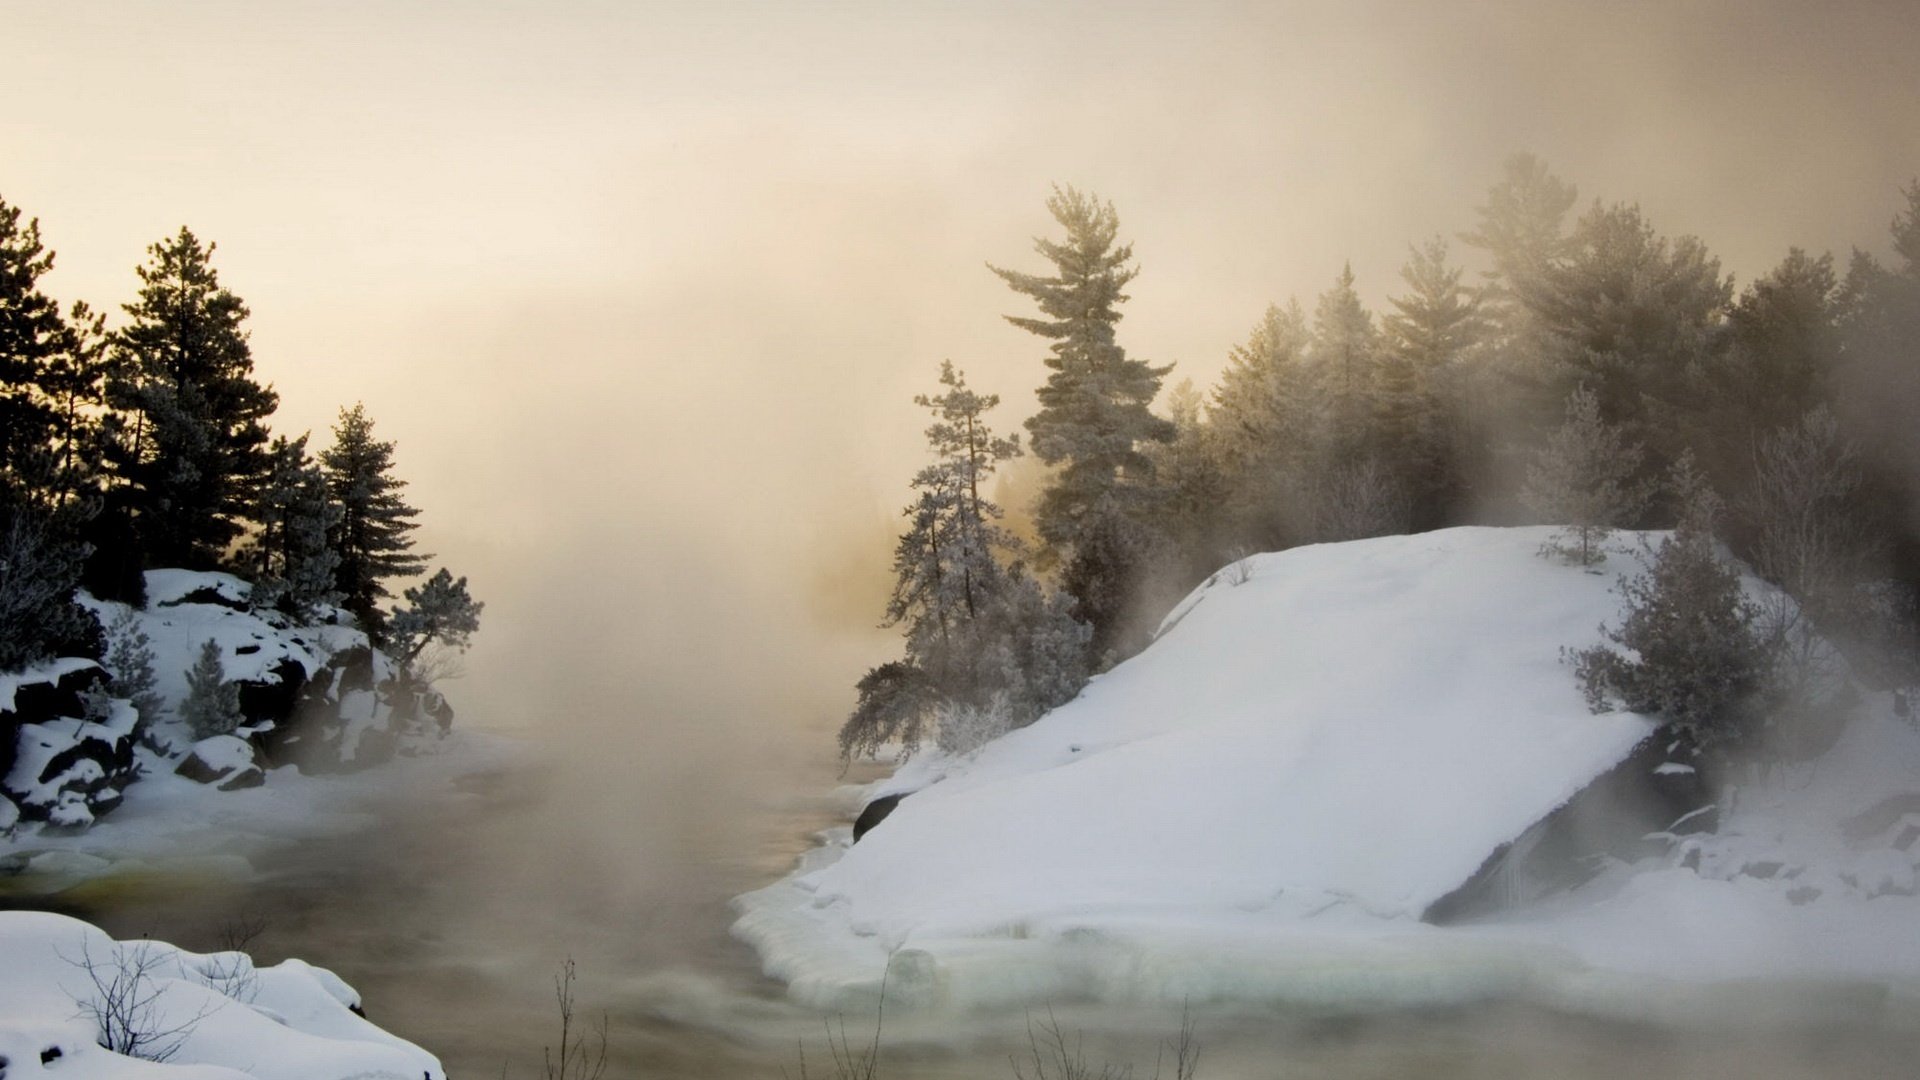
(643, 291)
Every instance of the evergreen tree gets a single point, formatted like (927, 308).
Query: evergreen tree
(1094, 417)
(1507, 393)
(1432, 327)
(1630, 315)
(1345, 350)
(129, 664)
(32, 338)
(986, 647)
(1583, 479)
(74, 384)
(1522, 228)
(371, 534)
(190, 450)
(439, 611)
(212, 704)
(1189, 490)
(292, 562)
(947, 576)
(40, 564)
(1694, 657)
(1259, 426)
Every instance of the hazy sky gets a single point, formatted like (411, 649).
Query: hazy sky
(643, 290)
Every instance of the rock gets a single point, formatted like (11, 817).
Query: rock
(274, 697)
(1638, 808)
(61, 766)
(227, 761)
(207, 594)
(874, 813)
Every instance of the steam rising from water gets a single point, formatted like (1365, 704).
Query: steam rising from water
(643, 295)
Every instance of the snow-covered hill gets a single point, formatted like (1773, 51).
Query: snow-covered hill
(65, 987)
(1319, 745)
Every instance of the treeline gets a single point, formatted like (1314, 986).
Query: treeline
(147, 445)
(1594, 373)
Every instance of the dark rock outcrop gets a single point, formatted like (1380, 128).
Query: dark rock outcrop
(874, 813)
(1638, 808)
(58, 764)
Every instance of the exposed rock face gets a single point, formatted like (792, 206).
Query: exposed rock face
(354, 712)
(58, 764)
(1641, 807)
(874, 813)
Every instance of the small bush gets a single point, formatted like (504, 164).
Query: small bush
(1695, 656)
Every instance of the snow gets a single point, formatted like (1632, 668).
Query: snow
(251, 644)
(50, 672)
(225, 753)
(1262, 803)
(230, 1019)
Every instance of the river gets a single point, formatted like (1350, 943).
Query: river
(452, 917)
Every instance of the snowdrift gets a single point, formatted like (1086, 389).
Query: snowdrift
(1319, 744)
(211, 1016)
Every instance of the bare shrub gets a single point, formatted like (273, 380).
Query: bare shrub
(583, 1050)
(126, 1005)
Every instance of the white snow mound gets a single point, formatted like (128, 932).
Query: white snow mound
(211, 1016)
(1343, 736)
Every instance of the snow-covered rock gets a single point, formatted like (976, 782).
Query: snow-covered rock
(221, 1017)
(226, 761)
(58, 764)
(1267, 800)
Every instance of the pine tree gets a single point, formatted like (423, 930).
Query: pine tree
(439, 611)
(1694, 656)
(1345, 350)
(191, 443)
(947, 574)
(32, 338)
(40, 563)
(1094, 416)
(292, 562)
(1259, 426)
(1630, 315)
(129, 664)
(212, 704)
(1583, 479)
(371, 536)
(1432, 327)
(986, 646)
(1523, 231)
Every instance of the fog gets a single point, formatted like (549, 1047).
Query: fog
(643, 291)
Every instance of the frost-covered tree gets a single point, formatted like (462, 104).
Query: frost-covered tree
(1346, 347)
(191, 440)
(39, 568)
(292, 559)
(1583, 479)
(372, 533)
(1260, 423)
(980, 634)
(1811, 535)
(212, 704)
(1094, 418)
(129, 664)
(438, 612)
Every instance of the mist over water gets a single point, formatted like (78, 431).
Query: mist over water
(643, 294)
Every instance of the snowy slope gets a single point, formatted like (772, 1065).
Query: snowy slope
(1348, 733)
(217, 1014)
